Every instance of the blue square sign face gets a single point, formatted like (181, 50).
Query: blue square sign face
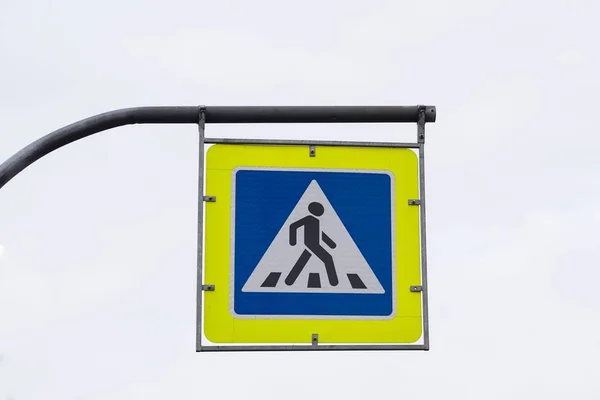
(313, 243)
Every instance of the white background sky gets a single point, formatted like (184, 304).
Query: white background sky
(97, 279)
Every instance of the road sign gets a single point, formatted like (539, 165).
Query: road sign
(312, 251)
(326, 242)
(301, 243)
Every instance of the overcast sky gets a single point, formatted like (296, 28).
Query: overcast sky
(97, 240)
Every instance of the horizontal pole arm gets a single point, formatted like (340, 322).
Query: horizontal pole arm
(316, 114)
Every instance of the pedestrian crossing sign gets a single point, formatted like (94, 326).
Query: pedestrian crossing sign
(300, 244)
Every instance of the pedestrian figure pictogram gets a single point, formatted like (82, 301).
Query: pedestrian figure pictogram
(312, 238)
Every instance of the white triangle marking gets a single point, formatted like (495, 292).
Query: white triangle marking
(279, 259)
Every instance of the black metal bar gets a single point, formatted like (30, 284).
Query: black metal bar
(214, 115)
(324, 114)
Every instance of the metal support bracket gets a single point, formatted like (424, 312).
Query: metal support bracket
(208, 288)
(416, 288)
(421, 125)
(202, 118)
(312, 150)
(315, 339)
(414, 202)
(210, 199)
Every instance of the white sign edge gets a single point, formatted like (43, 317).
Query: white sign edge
(391, 316)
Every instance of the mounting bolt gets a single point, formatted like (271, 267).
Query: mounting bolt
(416, 288)
(315, 339)
(312, 150)
(414, 202)
(208, 288)
(210, 199)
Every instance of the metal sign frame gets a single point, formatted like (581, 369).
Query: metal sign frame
(316, 115)
(202, 115)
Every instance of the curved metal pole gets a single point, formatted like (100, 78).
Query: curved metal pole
(217, 115)
(86, 127)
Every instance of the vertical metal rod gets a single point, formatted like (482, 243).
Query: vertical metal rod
(425, 292)
(200, 259)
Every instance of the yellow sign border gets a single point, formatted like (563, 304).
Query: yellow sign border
(220, 326)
